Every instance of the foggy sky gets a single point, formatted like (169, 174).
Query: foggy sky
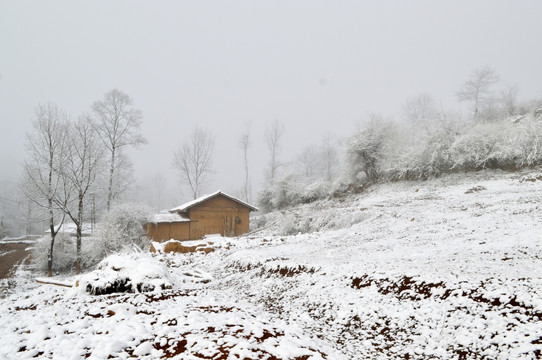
(316, 66)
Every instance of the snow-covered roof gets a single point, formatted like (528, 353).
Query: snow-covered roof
(71, 228)
(188, 205)
(166, 218)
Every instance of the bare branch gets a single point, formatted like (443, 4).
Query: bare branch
(477, 88)
(272, 135)
(193, 159)
(118, 125)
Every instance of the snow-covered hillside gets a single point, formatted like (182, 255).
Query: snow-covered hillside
(442, 269)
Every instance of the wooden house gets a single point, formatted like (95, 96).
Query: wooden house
(216, 213)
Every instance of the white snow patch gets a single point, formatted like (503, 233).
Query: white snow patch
(132, 272)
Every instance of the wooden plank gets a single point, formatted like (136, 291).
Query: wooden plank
(52, 282)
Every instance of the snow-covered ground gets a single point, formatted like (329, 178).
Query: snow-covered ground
(442, 269)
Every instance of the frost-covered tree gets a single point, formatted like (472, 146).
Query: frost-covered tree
(477, 89)
(47, 152)
(509, 101)
(484, 146)
(502, 145)
(80, 171)
(118, 125)
(529, 143)
(424, 143)
(329, 156)
(367, 149)
(272, 136)
(124, 179)
(63, 254)
(307, 162)
(244, 142)
(318, 162)
(121, 229)
(421, 113)
(194, 158)
(434, 156)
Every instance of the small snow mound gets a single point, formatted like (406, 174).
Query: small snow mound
(126, 273)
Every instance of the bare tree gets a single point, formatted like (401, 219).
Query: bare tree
(47, 150)
(245, 143)
(193, 159)
(509, 96)
(159, 185)
(367, 149)
(307, 161)
(421, 113)
(118, 125)
(273, 134)
(80, 173)
(124, 177)
(477, 88)
(329, 156)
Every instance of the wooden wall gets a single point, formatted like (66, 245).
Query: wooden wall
(165, 231)
(218, 215)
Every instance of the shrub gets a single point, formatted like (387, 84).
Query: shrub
(317, 190)
(367, 150)
(292, 190)
(121, 228)
(489, 145)
(529, 143)
(427, 151)
(265, 200)
(63, 253)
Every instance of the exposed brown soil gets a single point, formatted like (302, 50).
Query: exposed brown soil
(10, 256)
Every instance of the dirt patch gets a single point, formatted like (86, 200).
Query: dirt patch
(174, 246)
(290, 271)
(11, 255)
(475, 189)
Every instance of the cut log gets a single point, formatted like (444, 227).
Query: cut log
(47, 281)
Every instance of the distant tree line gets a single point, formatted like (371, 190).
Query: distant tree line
(500, 132)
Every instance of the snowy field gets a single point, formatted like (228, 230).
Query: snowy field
(442, 269)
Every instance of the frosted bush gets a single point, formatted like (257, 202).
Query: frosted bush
(529, 143)
(367, 150)
(489, 145)
(315, 191)
(63, 253)
(265, 200)
(122, 228)
(287, 192)
(290, 191)
(258, 221)
(290, 227)
(320, 220)
(427, 152)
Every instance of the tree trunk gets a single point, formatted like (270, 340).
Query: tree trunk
(246, 177)
(51, 219)
(111, 173)
(78, 236)
(53, 234)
